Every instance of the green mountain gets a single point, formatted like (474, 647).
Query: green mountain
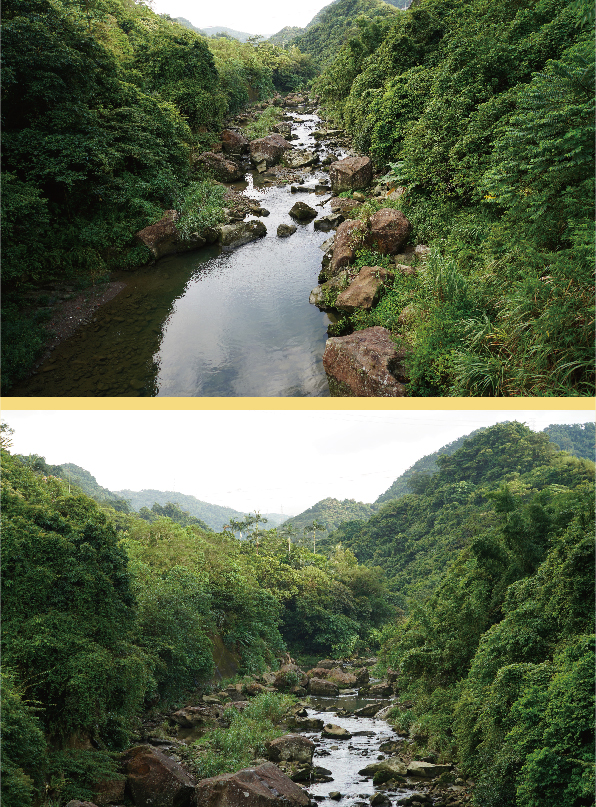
(242, 36)
(214, 515)
(331, 513)
(578, 439)
(286, 35)
(334, 24)
(416, 537)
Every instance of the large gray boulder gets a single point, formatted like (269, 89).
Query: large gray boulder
(317, 686)
(298, 158)
(234, 142)
(350, 236)
(365, 364)
(389, 229)
(290, 748)
(333, 732)
(155, 780)
(302, 212)
(235, 235)
(268, 149)
(426, 770)
(350, 174)
(263, 786)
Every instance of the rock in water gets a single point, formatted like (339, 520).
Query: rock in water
(285, 230)
(302, 212)
(222, 169)
(264, 786)
(365, 364)
(233, 142)
(268, 149)
(333, 732)
(235, 235)
(290, 748)
(350, 174)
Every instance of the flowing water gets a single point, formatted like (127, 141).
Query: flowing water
(344, 758)
(209, 323)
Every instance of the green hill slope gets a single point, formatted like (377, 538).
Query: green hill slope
(331, 513)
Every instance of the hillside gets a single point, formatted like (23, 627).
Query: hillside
(330, 513)
(415, 538)
(332, 26)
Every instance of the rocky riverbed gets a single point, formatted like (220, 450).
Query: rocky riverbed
(338, 748)
(225, 311)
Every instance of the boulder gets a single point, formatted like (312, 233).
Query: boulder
(330, 222)
(233, 142)
(350, 236)
(389, 229)
(163, 237)
(333, 732)
(341, 678)
(155, 780)
(288, 676)
(254, 688)
(326, 664)
(369, 711)
(363, 292)
(235, 235)
(302, 211)
(290, 748)
(221, 168)
(426, 770)
(392, 675)
(109, 791)
(362, 676)
(234, 692)
(393, 765)
(380, 690)
(297, 158)
(306, 723)
(263, 786)
(365, 364)
(317, 686)
(350, 174)
(285, 230)
(268, 149)
(77, 803)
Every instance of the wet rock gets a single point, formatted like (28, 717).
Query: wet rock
(389, 229)
(369, 711)
(335, 795)
(350, 174)
(393, 765)
(427, 770)
(317, 686)
(380, 800)
(300, 159)
(302, 211)
(154, 780)
(263, 786)
(290, 748)
(268, 149)
(163, 237)
(234, 142)
(350, 236)
(380, 690)
(330, 222)
(235, 235)
(363, 292)
(222, 169)
(420, 798)
(333, 732)
(306, 723)
(366, 363)
(362, 676)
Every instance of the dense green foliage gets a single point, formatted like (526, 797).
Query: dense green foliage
(330, 513)
(332, 26)
(483, 112)
(105, 612)
(104, 104)
(577, 439)
(496, 650)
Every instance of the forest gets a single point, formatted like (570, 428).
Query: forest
(477, 585)
(480, 113)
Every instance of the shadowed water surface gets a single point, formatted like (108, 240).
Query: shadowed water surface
(208, 323)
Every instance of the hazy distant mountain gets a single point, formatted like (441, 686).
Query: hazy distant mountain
(243, 36)
(331, 513)
(286, 35)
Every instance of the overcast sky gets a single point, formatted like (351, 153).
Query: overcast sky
(265, 17)
(272, 461)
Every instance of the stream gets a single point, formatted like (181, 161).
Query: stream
(210, 322)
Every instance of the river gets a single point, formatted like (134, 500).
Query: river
(209, 323)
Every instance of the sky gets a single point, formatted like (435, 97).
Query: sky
(265, 17)
(267, 460)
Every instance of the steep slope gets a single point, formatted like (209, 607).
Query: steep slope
(328, 512)
(416, 537)
(331, 27)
